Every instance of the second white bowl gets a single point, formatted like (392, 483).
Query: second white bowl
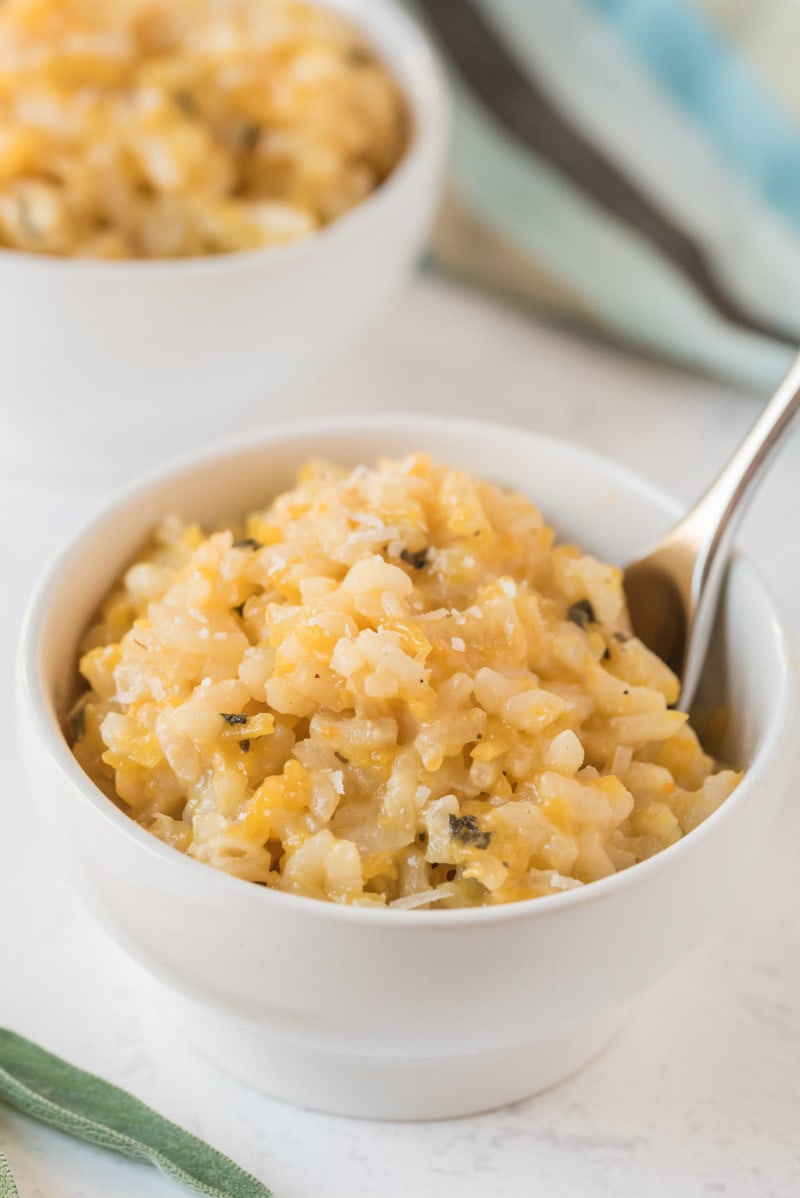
(108, 367)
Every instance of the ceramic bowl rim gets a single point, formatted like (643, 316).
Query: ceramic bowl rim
(51, 737)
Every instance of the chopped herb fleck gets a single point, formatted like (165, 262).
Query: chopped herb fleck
(582, 613)
(465, 828)
(186, 102)
(249, 135)
(244, 745)
(76, 720)
(417, 560)
(246, 543)
(233, 718)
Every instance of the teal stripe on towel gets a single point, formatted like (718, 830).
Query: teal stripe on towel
(751, 247)
(629, 286)
(709, 78)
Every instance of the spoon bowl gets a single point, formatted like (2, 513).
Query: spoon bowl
(673, 591)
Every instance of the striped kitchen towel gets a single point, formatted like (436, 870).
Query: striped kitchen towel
(633, 165)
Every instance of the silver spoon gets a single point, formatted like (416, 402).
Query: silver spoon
(673, 590)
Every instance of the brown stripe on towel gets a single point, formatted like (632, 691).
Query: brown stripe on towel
(522, 108)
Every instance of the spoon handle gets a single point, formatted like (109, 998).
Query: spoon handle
(711, 524)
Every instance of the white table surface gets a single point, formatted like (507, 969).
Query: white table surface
(700, 1093)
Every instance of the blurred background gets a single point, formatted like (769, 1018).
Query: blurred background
(632, 167)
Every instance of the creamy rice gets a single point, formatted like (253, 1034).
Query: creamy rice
(174, 128)
(391, 686)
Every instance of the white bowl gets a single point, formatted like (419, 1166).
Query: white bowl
(111, 366)
(385, 1013)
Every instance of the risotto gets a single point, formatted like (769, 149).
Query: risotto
(391, 686)
(174, 128)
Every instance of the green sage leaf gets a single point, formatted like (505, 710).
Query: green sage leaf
(8, 1187)
(83, 1105)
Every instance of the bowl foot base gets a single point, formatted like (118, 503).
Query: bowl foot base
(403, 1088)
